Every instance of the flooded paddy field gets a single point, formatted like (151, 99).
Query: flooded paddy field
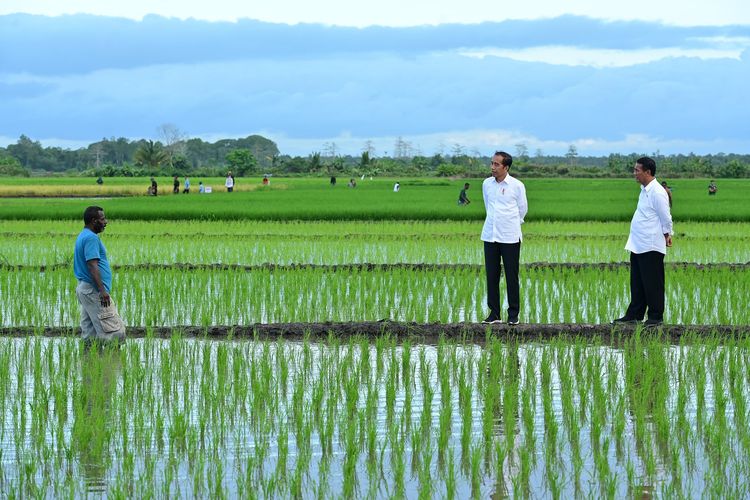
(343, 359)
(186, 417)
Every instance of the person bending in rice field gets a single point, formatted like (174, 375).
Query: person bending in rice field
(462, 198)
(506, 206)
(91, 269)
(650, 235)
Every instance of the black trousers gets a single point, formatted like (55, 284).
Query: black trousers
(510, 254)
(646, 286)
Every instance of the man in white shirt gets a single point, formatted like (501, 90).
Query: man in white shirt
(506, 206)
(650, 235)
(229, 182)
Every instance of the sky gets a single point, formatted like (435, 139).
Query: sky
(477, 75)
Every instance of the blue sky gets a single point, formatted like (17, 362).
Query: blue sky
(607, 84)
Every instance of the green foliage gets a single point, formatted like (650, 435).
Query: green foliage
(450, 170)
(241, 162)
(151, 155)
(10, 166)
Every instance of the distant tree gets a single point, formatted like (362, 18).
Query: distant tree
(27, 152)
(364, 160)
(315, 164)
(733, 169)
(174, 141)
(522, 152)
(572, 154)
(151, 155)
(241, 162)
(9, 166)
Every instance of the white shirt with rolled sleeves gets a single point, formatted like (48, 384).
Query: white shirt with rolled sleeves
(651, 221)
(506, 206)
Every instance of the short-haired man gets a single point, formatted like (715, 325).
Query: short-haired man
(462, 198)
(506, 206)
(91, 268)
(650, 235)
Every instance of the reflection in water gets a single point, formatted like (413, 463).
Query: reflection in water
(200, 418)
(101, 368)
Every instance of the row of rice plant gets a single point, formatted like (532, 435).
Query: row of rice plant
(307, 247)
(166, 297)
(421, 229)
(192, 418)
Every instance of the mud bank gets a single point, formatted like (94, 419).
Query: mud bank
(420, 332)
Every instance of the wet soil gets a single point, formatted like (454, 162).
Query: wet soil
(419, 332)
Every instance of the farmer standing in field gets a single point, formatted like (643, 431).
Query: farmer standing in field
(650, 235)
(91, 269)
(229, 182)
(506, 206)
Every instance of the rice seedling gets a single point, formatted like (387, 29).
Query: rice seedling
(210, 297)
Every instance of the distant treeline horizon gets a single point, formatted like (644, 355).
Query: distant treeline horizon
(176, 154)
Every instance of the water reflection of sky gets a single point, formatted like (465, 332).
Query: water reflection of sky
(59, 437)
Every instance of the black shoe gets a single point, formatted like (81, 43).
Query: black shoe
(492, 320)
(513, 321)
(626, 320)
(652, 323)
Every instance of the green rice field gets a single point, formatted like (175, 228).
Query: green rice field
(352, 416)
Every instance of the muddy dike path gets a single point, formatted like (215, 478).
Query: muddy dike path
(419, 332)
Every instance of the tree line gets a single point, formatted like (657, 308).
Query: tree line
(176, 154)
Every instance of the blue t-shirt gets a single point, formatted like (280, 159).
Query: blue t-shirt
(89, 246)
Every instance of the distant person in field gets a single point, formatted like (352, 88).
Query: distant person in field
(187, 186)
(201, 188)
(99, 180)
(229, 182)
(650, 235)
(154, 190)
(668, 190)
(396, 187)
(352, 183)
(91, 269)
(176, 185)
(333, 180)
(462, 198)
(712, 188)
(266, 182)
(506, 206)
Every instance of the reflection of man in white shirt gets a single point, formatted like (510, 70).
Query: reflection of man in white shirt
(650, 235)
(506, 206)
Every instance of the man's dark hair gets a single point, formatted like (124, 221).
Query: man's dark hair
(647, 163)
(466, 185)
(90, 214)
(507, 159)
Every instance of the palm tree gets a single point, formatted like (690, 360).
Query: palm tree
(151, 154)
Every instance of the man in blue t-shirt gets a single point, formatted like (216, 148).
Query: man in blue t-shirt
(91, 268)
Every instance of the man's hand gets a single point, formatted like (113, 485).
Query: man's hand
(668, 239)
(104, 298)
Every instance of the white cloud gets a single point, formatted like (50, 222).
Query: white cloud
(600, 58)
(485, 141)
(398, 12)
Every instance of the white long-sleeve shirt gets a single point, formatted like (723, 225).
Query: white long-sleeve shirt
(506, 206)
(651, 220)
